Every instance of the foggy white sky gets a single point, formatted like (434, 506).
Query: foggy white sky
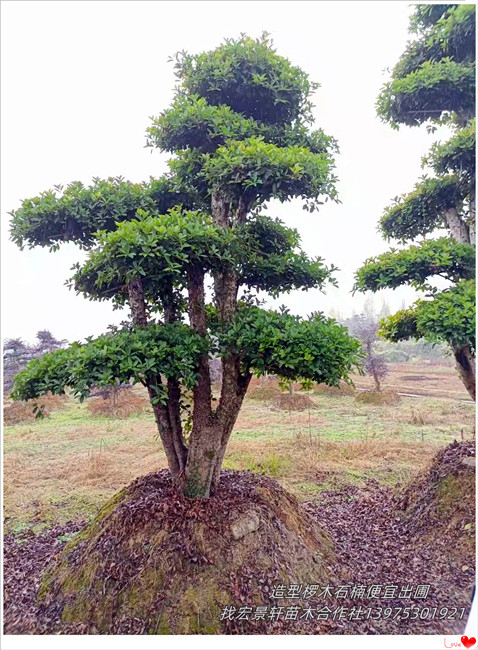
(81, 79)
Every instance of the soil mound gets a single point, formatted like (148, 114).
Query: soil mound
(440, 503)
(155, 562)
(295, 402)
(375, 397)
(20, 412)
(337, 391)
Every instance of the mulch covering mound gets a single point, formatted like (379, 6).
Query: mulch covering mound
(443, 498)
(422, 535)
(155, 562)
(383, 539)
(25, 557)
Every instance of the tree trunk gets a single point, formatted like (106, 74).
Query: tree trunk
(377, 382)
(228, 423)
(220, 210)
(167, 416)
(137, 303)
(472, 217)
(465, 362)
(457, 227)
(174, 412)
(211, 431)
(204, 438)
(203, 453)
(161, 415)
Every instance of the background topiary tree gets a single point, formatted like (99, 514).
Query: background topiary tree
(434, 83)
(16, 354)
(188, 253)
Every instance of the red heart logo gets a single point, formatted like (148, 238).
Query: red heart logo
(468, 642)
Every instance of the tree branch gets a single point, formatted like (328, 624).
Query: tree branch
(197, 315)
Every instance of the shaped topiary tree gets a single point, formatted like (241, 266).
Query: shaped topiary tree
(434, 83)
(239, 129)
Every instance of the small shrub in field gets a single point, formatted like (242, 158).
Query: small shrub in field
(121, 405)
(97, 465)
(417, 418)
(271, 465)
(375, 397)
(19, 412)
(294, 402)
(339, 391)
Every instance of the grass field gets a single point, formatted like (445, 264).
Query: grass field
(65, 467)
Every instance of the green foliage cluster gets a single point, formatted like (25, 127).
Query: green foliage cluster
(247, 75)
(443, 87)
(414, 265)
(450, 316)
(399, 326)
(260, 170)
(193, 123)
(135, 355)
(451, 34)
(421, 211)
(316, 348)
(157, 248)
(434, 79)
(426, 16)
(240, 124)
(267, 342)
(161, 248)
(76, 213)
(458, 155)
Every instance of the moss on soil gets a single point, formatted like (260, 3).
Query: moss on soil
(154, 556)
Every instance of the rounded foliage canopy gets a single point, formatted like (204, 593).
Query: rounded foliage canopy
(435, 78)
(248, 76)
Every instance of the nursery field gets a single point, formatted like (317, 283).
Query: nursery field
(386, 480)
(63, 468)
(420, 379)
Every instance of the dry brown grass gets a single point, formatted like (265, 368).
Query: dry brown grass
(67, 474)
(20, 412)
(375, 397)
(421, 415)
(120, 405)
(306, 466)
(417, 417)
(419, 378)
(66, 467)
